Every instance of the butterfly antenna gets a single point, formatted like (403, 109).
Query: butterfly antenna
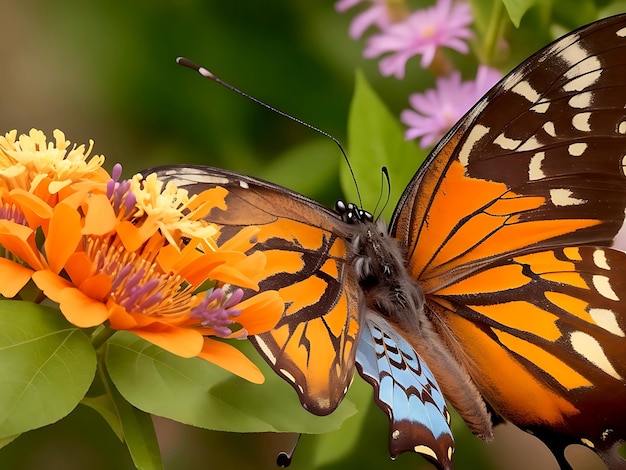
(207, 74)
(284, 458)
(384, 176)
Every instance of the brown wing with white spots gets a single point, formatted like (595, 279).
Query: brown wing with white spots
(313, 346)
(495, 225)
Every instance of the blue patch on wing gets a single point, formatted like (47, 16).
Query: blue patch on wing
(407, 391)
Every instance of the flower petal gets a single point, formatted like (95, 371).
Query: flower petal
(184, 342)
(81, 310)
(261, 312)
(63, 236)
(230, 358)
(51, 284)
(14, 276)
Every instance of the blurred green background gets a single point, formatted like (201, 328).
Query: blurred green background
(105, 71)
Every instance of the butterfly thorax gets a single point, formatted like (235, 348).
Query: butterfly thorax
(379, 263)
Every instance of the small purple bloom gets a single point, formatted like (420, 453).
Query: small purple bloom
(216, 310)
(376, 15)
(444, 24)
(119, 192)
(436, 110)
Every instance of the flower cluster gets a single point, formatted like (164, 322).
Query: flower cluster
(132, 255)
(401, 35)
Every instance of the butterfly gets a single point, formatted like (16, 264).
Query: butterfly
(498, 286)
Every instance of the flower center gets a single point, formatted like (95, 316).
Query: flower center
(139, 285)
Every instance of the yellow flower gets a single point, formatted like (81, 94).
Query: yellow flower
(52, 171)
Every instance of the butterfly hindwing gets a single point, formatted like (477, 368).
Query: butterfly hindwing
(406, 390)
(314, 344)
(505, 226)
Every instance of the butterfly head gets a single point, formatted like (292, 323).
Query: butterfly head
(352, 214)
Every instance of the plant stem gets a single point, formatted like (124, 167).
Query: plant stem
(101, 335)
(493, 32)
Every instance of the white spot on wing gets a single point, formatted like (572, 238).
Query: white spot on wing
(541, 107)
(244, 185)
(606, 319)
(573, 54)
(621, 33)
(525, 90)
(599, 259)
(562, 197)
(505, 143)
(477, 133)
(587, 442)
(588, 347)
(584, 74)
(423, 449)
(621, 127)
(265, 349)
(581, 122)
(577, 149)
(549, 128)
(530, 144)
(603, 286)
(534, 168)
(581, 100)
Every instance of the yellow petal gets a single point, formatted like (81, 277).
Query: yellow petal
(230, 358)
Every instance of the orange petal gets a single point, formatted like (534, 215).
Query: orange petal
(100, 219)
(81, 310)
(242, 241)
(18, 239)
(184, 342)
(63, 236)
(51, 284)
(230, 358)
(119, 318)
(14, 276)
(36, 211)
(132, 236)
(207, 200)
(79, 267)
(97, 287)
(261, 312)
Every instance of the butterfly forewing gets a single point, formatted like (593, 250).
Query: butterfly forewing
(496, 223)
(314, 344)
(537, 162)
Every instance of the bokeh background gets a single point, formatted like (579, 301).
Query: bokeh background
(105, 70)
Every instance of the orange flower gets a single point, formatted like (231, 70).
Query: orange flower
(113, 262)
(130, 254)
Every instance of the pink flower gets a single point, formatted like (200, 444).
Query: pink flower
(438, 109)
(444, 24)
(376, 15)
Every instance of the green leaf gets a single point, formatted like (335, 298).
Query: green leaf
(194, 391)
(46, 365)
(517, 8)
(7, 440)
(334, 446)
(139, 434)
(376, 139)
(105, 407)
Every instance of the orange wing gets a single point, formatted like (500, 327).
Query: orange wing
(535, 168)
(314, 345)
